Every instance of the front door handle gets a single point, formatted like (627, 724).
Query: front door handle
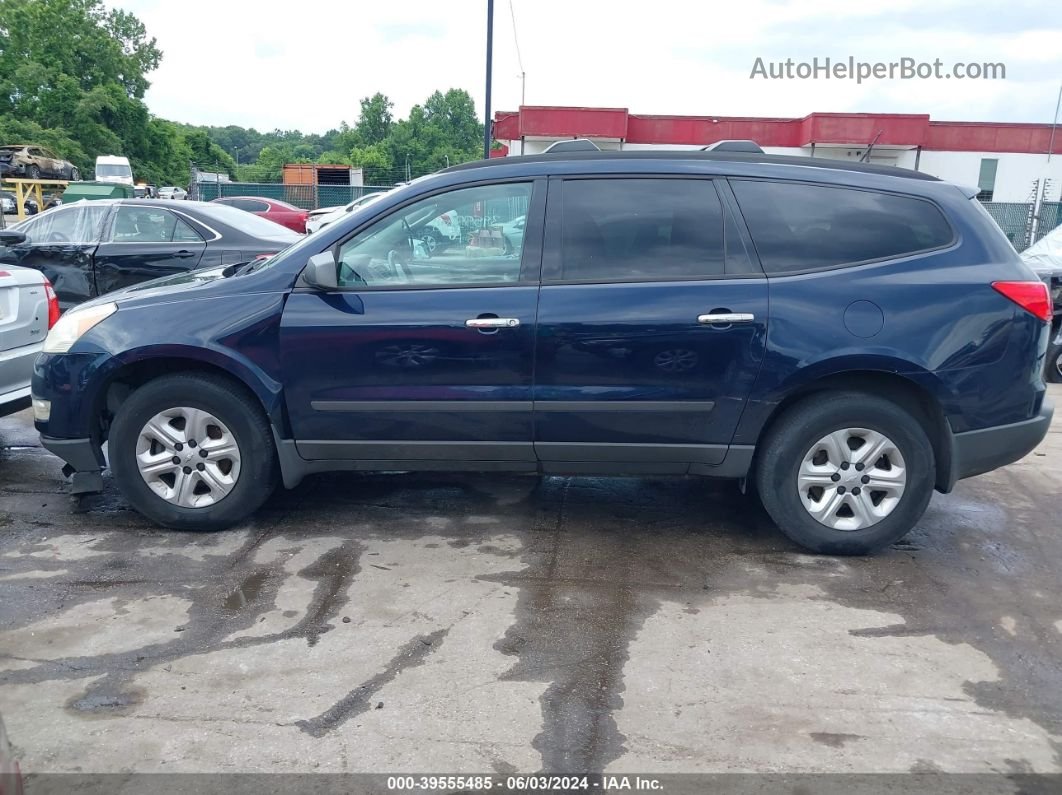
(492, 322)
(725, 318)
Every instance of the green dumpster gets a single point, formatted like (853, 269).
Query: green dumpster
(90, 191)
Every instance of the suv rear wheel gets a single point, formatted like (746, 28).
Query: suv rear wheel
(192, 452)
(846, 473)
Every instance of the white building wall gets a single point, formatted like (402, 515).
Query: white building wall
(1015, 173)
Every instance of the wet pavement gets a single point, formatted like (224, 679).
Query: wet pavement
(496, 623)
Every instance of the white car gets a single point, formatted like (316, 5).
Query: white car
(28, 309)
(323, 216)
(170, 192)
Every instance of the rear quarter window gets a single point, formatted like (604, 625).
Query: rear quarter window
(798, 227)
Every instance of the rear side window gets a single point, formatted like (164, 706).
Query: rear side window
(621, 230)
(248, 205)
(798, 227)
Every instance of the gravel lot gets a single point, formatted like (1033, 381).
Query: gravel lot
(479, 623)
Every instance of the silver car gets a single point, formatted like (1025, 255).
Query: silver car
(171, 192)
(28, 308)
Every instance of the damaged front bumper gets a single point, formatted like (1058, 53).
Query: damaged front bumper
(84, 462)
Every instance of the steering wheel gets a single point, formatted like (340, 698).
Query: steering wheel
(409, 237)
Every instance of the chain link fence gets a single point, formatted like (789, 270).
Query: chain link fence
(1014, 219)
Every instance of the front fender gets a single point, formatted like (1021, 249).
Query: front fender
(236, 335)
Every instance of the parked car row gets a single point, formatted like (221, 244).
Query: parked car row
(323, 216)
(684, 313)
(91, 248)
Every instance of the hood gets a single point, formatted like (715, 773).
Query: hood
(164, 287)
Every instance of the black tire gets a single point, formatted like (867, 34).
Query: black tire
(1053, 370)
(33, 172)
(432, 240)
(233, 405)
(75, 175)
(792, 436)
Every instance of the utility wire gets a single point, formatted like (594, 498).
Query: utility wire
(516, 38)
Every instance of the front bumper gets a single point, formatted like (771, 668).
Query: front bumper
(84, 462)
(980, 451)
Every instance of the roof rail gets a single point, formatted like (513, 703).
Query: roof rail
(734, 146)
(574, 145)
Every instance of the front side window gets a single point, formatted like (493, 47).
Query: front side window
(82, 223)
(622, 230)
(463, 237)
(797, 227)
(141, 224)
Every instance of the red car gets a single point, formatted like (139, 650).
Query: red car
(277, 211)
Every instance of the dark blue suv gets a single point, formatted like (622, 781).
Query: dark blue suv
(844, 338)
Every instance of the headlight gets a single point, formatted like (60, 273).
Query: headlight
(73, 324)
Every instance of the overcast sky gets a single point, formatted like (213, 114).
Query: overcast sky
(304, 65)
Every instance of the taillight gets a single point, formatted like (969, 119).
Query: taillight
(1033, 297)
(53, 304)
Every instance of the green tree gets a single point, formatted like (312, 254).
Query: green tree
(374, 121)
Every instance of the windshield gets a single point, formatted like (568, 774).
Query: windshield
(104, 170)
(248, 223)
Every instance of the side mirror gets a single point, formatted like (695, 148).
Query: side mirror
(321, 271)
(9, 237)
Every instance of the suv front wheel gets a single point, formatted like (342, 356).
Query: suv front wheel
(192, 452)
(846, 473)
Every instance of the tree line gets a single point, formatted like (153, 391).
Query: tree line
(73, 74)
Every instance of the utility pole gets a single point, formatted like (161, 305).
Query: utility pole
(490, 54)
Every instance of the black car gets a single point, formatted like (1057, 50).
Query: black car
(9, 204)
(90, 248)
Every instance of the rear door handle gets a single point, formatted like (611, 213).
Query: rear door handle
(492, 322)
(184, 254)
(725, 318)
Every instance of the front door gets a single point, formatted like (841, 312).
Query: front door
(651, 326)
(418, 357)
(143, 243)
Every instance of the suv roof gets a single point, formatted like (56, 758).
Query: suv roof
(717, 156)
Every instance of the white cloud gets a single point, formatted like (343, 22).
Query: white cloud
(269, 64)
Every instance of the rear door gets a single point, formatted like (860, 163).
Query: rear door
(61, 243)
(145, 242)
(651, 325)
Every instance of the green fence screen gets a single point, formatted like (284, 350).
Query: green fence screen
(308, 197)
